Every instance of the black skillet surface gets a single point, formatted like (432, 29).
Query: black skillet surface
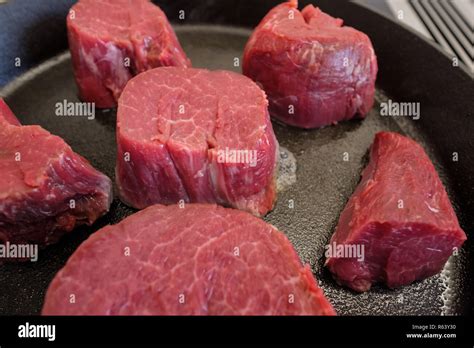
(410, 69)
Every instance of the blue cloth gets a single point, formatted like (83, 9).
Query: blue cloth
(32, 30)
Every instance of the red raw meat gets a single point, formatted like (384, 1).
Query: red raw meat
(39, 176)
(401, 214)
(103, 34)
(174, 127)
(315, 71)
(202, 259)
(6, 115)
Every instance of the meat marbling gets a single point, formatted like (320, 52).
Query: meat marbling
(401, 214)
(45, 188)
(201, 259)
(198, 136)
(112, 40)
(315, 71)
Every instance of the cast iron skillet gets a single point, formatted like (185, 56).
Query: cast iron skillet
(213, 34)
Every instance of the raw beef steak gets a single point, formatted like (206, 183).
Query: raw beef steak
(202, 259)
(315, 71)
(45, 188)
(197, 136)
(401, 214)
(112, 40)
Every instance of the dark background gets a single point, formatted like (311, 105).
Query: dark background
(32, 30)
(410, 69)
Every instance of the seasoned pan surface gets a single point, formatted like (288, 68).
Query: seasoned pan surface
(329, 162)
